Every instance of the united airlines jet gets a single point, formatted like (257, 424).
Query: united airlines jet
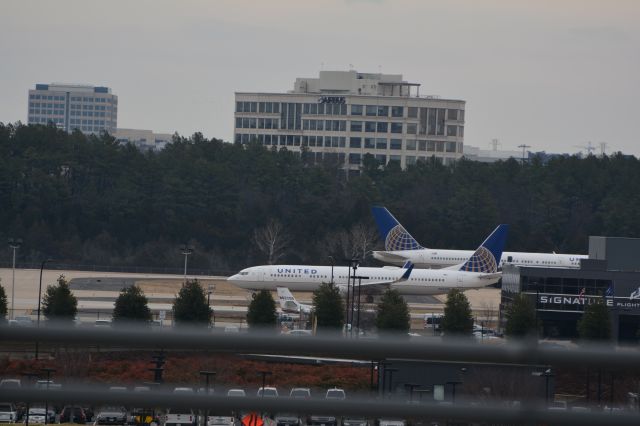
(400, 247)
(480, 269)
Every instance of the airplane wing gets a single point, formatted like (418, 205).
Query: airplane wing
(379, 286)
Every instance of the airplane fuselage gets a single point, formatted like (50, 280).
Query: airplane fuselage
(432, 258)
(309, 278)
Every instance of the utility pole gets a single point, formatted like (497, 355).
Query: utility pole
(186, 251)
(15, 245)
(524, 147)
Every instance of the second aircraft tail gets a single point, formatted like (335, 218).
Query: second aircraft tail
(392, 233)
(487, 257)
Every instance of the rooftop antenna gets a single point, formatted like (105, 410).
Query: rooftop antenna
(589, 148)
(495, 143)
(524, 147)
(603, 148)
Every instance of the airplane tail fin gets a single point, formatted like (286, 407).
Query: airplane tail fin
(408, 267)
(487, 257)
(393, 234)
(286, 299)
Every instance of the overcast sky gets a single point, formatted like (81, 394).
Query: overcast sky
(551, 74)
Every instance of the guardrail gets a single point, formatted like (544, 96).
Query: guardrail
(527, 352)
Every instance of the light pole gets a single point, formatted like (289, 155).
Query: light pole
(40, 298)
(46, 403)
(264, 374)
(210, 290)
(15, 245)
(333, 261)
(186, 251)
(360, 278)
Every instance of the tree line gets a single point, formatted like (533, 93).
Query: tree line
(89, 200)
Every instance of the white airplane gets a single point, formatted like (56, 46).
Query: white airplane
(479, 270)
(288, 303)
(400, 247)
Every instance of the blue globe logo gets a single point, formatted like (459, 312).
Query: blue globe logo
(399, 239)
(481, 261)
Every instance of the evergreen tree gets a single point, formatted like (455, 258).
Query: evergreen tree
(329, 308)
(521, 318)
(190, 305)
(457, 320)
(595, 324)
(131, 305)
(262, 314)
(59, 303)
(393, 314)
(3, 305)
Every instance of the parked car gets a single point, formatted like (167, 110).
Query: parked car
(8, 412)
(37, 414)
(73, 414)
(355, 421)
(10, 384)
(21, 321)
(103, 323)
(322, 420)
(391, 422)
(300, 393)
(221, 421)
(287, 419)
(111, 415)
(335, 393)
(236, 392)
(180, 417)
(267, 392)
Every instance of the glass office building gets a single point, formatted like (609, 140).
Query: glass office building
(343, 115)
(90, 109)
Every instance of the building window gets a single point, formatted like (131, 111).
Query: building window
(238, 121)
(460, 131)
(451, 130)
(431, 146)
(397, 111)
(412, 112)
(412, 129)
(452, 114)
(382, 127)
(396, 127)
(354, 158)
(410, 160)
(356, 109)
(381, 158)
(439, 146)
(451, 147)
(396, 144)
(383, 111)
(394, 158)
(381, 143)
(356, 126)
(411, 144)
(355, 142)
(370, 126)
(369, 143)
(372, 110)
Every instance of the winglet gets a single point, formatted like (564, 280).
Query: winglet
(408, 266)
(487, 257)
(392, 233)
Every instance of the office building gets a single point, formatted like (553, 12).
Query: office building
(343, 115)
(611, 274)
(90, 109)
(145, 140)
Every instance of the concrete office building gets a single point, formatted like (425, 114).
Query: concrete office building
(343, 115)
(90, 109)
(611, 274)
(145, 140)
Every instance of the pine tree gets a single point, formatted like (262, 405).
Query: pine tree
(329, 308)
(393, 314)
(595, 324)
(457, 320)
(3, 305)
(521, 318)
(190, 305)
(59, 303)
(261, 314)
(131, 306)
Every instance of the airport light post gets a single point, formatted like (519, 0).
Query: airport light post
(40, 299)
(14, 244)
(207, 374)
(360, 278)
(264, 374)
(333, 261)
(29, 375)
(354, 265)
(46, 402)
(186, 251)
(390, 371)
(210, 289)
(411, 387)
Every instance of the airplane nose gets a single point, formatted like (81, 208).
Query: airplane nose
(233, 278)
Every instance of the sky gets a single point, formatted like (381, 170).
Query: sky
(552, 74)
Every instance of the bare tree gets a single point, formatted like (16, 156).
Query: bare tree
(272, 240)
(490, 312)
(363, 238)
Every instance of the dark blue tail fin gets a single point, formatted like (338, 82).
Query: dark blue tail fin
(393, 234)
(487, 257)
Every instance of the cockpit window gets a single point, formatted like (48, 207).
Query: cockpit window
(244, 273)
